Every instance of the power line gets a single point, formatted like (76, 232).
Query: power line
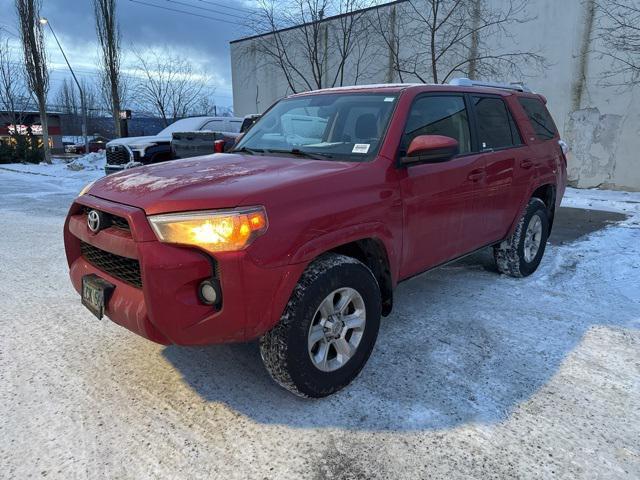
(206, 9)
(186, 13)
(63, 71)
(225, 6)
(5, 27)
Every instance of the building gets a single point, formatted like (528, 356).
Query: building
(30, 121)
(599, 120)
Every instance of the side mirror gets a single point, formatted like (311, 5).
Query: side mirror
(430, 149)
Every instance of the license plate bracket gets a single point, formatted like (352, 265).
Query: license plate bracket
(96, 292)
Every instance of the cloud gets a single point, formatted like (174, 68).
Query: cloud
(204, 41)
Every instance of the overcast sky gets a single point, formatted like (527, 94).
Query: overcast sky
(204, 41)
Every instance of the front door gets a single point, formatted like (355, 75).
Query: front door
(439, 199)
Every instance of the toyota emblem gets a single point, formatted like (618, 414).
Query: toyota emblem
(94, 220)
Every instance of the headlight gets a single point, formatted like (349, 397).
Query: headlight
(141, 147)
(86, 188)
(214, 231)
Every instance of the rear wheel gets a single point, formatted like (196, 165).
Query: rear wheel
(328, 329)
(521, 253)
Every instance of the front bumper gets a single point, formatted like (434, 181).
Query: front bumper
(109, 169)
(167, 309)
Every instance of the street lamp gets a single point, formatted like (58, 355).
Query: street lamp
(44, 21)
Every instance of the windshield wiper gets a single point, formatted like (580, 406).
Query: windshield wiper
(301, 153)
(250, 151)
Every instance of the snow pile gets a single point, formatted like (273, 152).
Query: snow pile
(29, 181)
(91, 161)
(605, 200)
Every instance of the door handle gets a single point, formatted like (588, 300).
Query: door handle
(476, 175)
(526, 164)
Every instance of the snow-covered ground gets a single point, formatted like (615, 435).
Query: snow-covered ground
(475, 375)
(605, 200)
(48, 188)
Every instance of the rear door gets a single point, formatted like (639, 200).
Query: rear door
(545, 151)
(439, 199)
(504, 152)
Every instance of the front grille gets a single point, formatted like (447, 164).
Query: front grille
(122, 268)
(118, 155)
(113, 220)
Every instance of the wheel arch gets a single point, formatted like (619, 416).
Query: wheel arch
(373, 244)
(547, 193)
(373, 254)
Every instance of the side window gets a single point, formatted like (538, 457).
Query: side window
(213, 125)
(539, 117)
(496, 128)
(234, 125)
(438, 115)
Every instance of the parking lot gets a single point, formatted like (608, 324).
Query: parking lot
(474, 374)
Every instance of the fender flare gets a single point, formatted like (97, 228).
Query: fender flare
(315, 247)
(352, 233)
(533, 186)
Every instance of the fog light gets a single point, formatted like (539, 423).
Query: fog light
(209, 292)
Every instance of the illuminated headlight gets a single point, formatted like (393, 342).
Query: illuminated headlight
(86, 188)
(213, 231)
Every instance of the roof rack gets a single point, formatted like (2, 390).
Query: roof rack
(465, 82)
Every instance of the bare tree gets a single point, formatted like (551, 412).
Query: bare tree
(432, 40)
(109, 38)
(67, 100)
(618, 28)
(69, 104)
(168, 84)
(13, 101)
(205, 105)
(35, 61)
(319, 53)
(14, 104)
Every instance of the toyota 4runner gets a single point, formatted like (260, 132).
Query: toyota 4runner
(299, 236)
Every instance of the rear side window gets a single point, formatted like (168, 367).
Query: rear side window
(213, 125)
(234, 125)
(439, 115)
(539, 117)
(496, 128)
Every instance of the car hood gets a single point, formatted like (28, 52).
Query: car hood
(212, 181)
(139, 140)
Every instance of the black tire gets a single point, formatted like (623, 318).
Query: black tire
(509, 254)
(285, 350)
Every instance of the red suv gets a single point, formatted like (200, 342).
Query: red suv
(300, 235)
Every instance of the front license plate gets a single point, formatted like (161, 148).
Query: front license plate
(95, 293)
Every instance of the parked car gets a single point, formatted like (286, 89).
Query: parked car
(206, 142)
(125, 152)
(300, 235)
(95, 145)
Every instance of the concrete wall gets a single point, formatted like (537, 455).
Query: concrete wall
(601, 123)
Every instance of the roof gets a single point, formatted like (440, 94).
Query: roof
(398, 87)
(31, 112)
(381, 87)
(327, 19)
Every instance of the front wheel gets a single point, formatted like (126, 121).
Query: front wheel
(328, 329)
(521, 253)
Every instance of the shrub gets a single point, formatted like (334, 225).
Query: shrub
(20, 148)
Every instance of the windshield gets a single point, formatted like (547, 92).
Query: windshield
(184, 125)
(344, 126)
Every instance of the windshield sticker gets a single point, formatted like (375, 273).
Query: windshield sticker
(389, 99)
(360, 148)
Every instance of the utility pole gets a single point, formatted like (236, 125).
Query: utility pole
(83, 105)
